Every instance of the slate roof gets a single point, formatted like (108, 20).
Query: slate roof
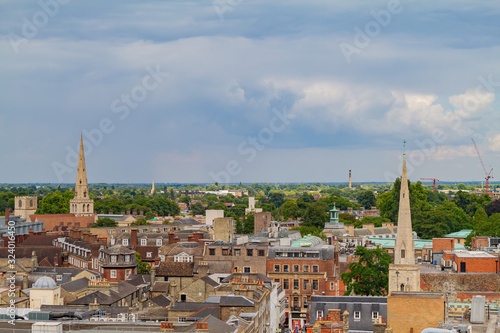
(139, 279)
(39, 240)
(235, 300)
(161, 300)
(192, 306)
(362, 232)
(76, 285)
(215, 325)
(209, 281)
(42, 252)
(161, 286)
(382, 231)
(124, 290)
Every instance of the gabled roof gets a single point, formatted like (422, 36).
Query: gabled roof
(235, 300)
(161, 300)
(76, 285)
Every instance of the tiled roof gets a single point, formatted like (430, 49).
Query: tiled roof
(235, 300)
(184, 269)
(161, 300)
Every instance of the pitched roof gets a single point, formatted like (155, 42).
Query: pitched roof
(235, 300)
(161, 286)
(161, 300)
(209, 281)
(175, 269)
(76, 285)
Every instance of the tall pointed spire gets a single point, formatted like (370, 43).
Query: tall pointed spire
(81, 204)
(404, 273)
(404, 248)
(81, 186)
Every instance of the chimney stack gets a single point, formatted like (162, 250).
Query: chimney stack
(350, 184)
(128, 211)
(133, 238)
(7, 215)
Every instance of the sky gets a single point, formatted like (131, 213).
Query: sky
(248, 90)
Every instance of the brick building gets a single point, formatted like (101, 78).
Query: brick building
(465, 261)
(117, 263)
(306, 268)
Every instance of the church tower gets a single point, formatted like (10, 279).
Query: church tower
(404, 274)
(81, 204)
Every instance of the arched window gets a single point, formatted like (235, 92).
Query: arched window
(84, 194)
(31, 203)
(20, 203)
(402, 287)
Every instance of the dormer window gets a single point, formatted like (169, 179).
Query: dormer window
(125, 242)
(127, 258)
(158, 242)
(113, 259)
(144, 241)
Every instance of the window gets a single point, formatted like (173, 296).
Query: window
(182, 319)
(31, 203)
(374, 315)
(315, 269)
(225, 252)
(332, 285)
(211, 252)
(295, 268)
(249, 252)
(113, 259)
(58, 277)
(113, 274)
(285, 284)
(305, 302)
(125, 242)
(306, 268)
(237, 252)
(144, 242)
(357, 315)
(262, 253)
(277, 280)
(306, 282)
(127, 258)
(296, 284)
(127, 273)
(285, 268)
(113, 241)
(235, 268)
(319, 314)
(315, 285)
(158, 242)
(247, 269)
(276, 268)
(149, 254)
(402, 254)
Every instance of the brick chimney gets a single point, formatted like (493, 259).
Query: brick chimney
(7, 215)
(201, 327)
(110, 212)
(128, 211)
(134, 211)
(369, 226)
(133, 238)
(171, 238)
(334, 316)
(388, 225)
(349, 228)
(141, 212)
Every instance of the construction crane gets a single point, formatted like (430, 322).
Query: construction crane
(487, 175)
(434, 180)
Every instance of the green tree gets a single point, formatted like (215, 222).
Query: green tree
(150, 215)
(376, 220)
(369, 276)
(248, 224)
(197, 209)
(276, 198)
(316, 215)
(142, 267)
(310, 230)
(290, 209)
(367, 199)
(104, 222)
(55, 203)
(140, 221)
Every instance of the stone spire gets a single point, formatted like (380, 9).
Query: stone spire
(153, 188)
(404, 249)
(81, 204)
(81, 186)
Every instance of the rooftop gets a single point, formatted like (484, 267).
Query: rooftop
(459, 234)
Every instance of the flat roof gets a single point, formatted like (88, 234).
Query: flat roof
(459, 234)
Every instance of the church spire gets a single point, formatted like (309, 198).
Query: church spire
(81, 204)
(81, 186)
(404, 248)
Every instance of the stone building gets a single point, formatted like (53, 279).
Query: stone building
(262, 222)
(224, 229)
(45, 291)
(404, 273)
(25, 206)
(306, 268)
(117, 262)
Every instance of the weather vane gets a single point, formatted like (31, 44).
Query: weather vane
(404, 147)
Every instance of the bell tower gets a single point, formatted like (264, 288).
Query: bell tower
(81, 204)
